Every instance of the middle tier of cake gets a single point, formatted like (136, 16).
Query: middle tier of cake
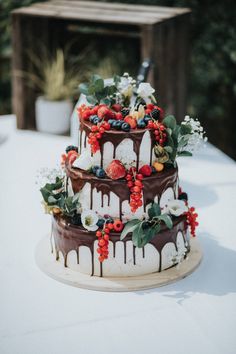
(111, 197)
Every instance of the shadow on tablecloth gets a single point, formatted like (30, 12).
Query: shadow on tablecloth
(215, 275)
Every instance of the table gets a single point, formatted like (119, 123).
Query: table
(42, 316)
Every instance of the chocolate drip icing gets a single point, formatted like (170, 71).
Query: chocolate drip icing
(153, 186)
(70, 237)
(116, 137)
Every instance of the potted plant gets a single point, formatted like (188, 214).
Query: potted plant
(58, 86)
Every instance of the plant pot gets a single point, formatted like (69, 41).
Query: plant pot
(53, 116)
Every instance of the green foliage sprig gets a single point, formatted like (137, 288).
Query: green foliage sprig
(144, 230)
(96, 91)
(177, 139)
(56, 196)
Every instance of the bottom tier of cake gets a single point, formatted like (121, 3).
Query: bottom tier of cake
(76, 248)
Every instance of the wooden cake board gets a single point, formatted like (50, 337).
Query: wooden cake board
(47, 263)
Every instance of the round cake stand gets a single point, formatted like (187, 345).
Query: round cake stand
(47, 263)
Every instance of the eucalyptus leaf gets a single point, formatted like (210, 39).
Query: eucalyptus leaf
(167, 220)
(83, 88)
(185, 129)
(99, 85)
(169, 122)
(138, 236)
(155, 210)
(52, 200)
(185, 153)
(129, 227)
(168, 149)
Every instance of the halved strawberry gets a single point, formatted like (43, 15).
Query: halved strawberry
(115, 170)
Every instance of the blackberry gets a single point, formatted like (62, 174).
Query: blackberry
(183, 196)
(71, 148)
(125, 112)
(109, 220)
(155, 113)
(76, 219)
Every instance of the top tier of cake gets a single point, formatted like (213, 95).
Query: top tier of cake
(136, 146)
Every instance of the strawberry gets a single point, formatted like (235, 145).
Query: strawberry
(119, 116)
(116, 107)
(86, 114)
(132, 121)
(150, 106)
(115, 170)
(102, 111)
(145, 170)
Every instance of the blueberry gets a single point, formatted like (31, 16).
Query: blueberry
(71, 148)
(117, 124)
(94, 119)
(111, 121)
(100, 173)
(94, 169)
(125, 127)
(141, 124)
(147, 118)
(100, 223)
(153, 169)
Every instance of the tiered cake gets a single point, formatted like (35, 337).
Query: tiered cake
(119, 211)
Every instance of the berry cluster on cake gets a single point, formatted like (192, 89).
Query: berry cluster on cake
(118, 210)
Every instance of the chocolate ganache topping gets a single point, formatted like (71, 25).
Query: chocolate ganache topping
(153, 185)
(69, 237)
(116, 137)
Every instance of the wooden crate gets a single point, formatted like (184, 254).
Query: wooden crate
(162, 33)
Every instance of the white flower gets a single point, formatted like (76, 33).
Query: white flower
(125, 86)
(176, 207)
(84, 161)
(89, 220)
(196, 138)
(145, 90)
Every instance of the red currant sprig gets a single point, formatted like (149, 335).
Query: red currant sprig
(134, 182)
(95, 135)
(192, 220)
(159, 132)
(103, 241)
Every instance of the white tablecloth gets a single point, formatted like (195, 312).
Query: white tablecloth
(39, 315)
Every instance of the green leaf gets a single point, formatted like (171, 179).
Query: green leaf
(129, 227)
(52, 200)
(168, 149)
(95, 77)
(185, 129)
(99, 85)
(138, 236)
(75, 198)
(167, 220)
(106, 101)
(169, 122)
(185, 153)
(116, 79)
(83, 88)
(111, 90)
(91, 99)
(155, 210)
